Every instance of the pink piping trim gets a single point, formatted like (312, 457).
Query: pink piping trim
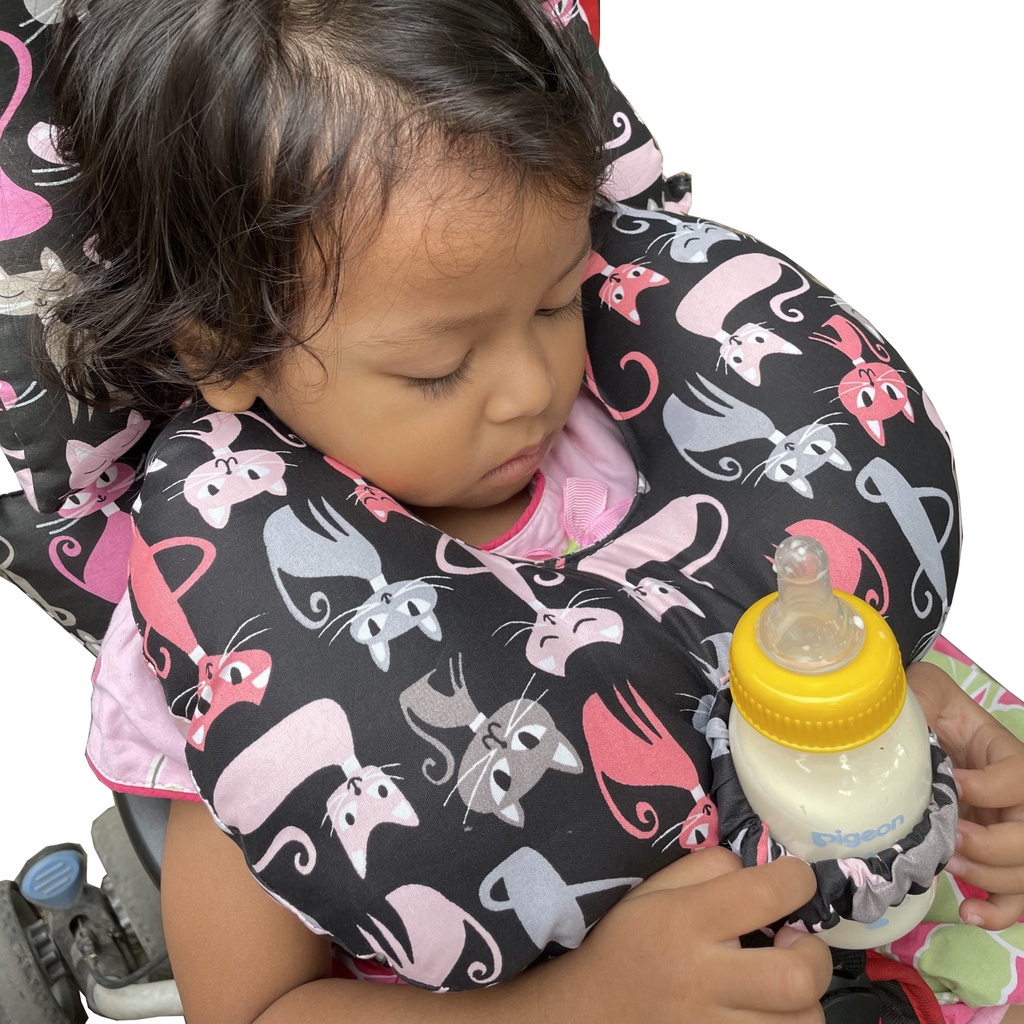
(520, 523)
(120, 787)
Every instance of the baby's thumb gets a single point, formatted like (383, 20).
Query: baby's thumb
(788, 936)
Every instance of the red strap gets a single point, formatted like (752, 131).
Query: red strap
(921, 998)
(592, 9)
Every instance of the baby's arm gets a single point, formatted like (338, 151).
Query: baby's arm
(667, 951)
(989, 763)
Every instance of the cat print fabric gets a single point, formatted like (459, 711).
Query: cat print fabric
(64, 537)
(457, 761)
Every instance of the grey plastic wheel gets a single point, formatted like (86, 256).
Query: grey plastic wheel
(130, 889)
(35, 986)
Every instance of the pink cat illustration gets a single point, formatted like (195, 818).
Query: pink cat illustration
(624, 284)
(369, 797)
(647, 364)
(633, 172)
(435, 930)
(10, 399)
(21, 211)
(873, 392)
(379, 503)
(644, 754)
(105, 571)
(223, 679)
(705, 308)
(662, 537)
(555, 633)
(99, 480)
(560, 11)
(232, 476)
(259, 779)
(846, 557)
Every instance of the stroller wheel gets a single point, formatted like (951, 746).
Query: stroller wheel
(35, 985)
(131, 891)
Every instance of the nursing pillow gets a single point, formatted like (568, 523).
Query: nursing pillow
(457, 761)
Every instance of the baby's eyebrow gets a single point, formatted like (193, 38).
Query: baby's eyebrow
(430, 327)
(433, 327)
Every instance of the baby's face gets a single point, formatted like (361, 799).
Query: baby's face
(454, 354)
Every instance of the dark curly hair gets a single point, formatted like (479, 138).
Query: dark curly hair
(230, 150)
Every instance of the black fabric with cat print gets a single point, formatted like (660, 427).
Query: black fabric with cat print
(456, 761)
(62, 538)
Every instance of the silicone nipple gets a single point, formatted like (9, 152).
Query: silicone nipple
(808, 628)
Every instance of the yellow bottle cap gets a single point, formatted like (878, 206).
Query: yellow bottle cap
(813, 668)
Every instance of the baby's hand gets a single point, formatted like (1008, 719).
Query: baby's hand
(670, 950)
(989, 770)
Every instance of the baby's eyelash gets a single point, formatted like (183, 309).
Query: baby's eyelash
(570, 310)
(440, 387)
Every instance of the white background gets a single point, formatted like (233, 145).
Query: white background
(875, 143)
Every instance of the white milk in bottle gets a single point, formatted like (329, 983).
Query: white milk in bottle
(830, 746)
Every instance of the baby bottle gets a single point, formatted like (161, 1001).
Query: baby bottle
(830, 746)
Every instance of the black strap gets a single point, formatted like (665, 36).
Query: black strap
(851, 997)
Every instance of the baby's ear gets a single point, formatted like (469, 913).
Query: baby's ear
(189, 343)
(235, 397)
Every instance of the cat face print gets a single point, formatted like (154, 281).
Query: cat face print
(744, 349)
(800, 453)
(507, 755)
(558, 632)
(624, 284)
(368, 798)
(392, 612)
(222, 482)
(35, 291)
(874, 393)
(100, 493)
(224, 680)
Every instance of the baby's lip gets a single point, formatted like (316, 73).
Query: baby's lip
(530, 451)
(525, 456)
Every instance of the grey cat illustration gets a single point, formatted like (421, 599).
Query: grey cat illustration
(688, 241)
(547, 906)
(34, 291)
(45, 12)
(881, 483)
(297, 551)
(715, 671)
(507, 755)
(727, 421)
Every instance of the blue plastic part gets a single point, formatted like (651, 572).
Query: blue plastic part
(55, 881)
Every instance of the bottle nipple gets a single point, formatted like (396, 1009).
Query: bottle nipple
(807, 628)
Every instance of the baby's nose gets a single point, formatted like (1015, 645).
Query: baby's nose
(526, 388)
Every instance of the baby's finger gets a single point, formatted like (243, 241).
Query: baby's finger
(995, 913)
(999, 784)
(1002, 881)
(693, 869)
(999, 845)
(781, 979)
(754, 897)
